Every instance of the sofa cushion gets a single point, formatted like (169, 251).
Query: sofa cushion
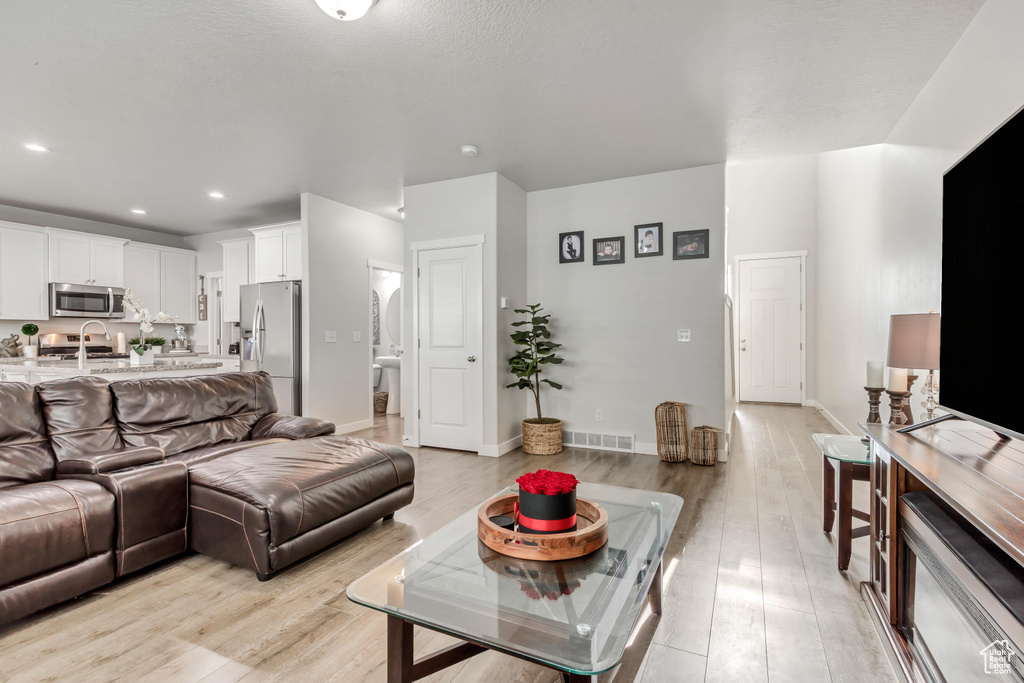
(79, 416)
(25, 455)
(184, 413)
(52, 524)
(198, 455)
(303, 484)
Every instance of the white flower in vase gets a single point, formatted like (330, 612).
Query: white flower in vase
(145, 320)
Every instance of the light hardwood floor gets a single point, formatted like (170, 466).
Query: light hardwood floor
(754, 594)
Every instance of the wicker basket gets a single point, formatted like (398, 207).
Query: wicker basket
(671, 420)
(704, 445)
(542, 439)
(380, 401)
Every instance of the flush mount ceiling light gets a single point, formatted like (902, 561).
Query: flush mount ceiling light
(217, 195)
(346, 10)
(470, 150)
(36, 147)
(139, 211)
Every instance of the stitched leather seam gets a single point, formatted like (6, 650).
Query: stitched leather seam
(233, 521)
(344, 476)
(83, 430)
(44, 514)
(398, 477)
(81, 516)
(246, 534)
(120, 501)
(24, 443)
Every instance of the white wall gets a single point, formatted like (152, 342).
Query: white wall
(512, 258)
(337, 242)
(618, 322)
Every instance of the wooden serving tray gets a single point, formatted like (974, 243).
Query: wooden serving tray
(591, 532)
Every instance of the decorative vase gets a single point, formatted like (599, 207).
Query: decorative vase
(145, 358)
(542, 438)
(30, 351)
(546, 514)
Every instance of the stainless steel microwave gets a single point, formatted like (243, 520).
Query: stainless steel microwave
(86, 301)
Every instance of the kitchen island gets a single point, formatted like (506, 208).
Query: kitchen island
(36, 370)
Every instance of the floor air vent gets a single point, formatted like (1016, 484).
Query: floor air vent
(623, 443)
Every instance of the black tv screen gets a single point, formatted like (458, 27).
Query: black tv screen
(982, 269)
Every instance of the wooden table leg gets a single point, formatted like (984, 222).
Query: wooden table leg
(654, 594)
(845, 515)
(828, 495)
(400, 650)
(576, 678)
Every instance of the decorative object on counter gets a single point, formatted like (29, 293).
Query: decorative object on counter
(547, 502)
(570, 247)
(541, 436)
(691, 244)
(180, 343)
(380, 402)
(874, 399)
(914, 344)
(876, 374)
(9, 347)
(30, 350)
(590, 535)
(608, 250)
(122, 343)
(647, 240)
(704, 445)
(896, 400)
(201, 306)
(142, 346)
(670, 418)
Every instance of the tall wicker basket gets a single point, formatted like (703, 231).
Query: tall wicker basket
(704, 445)
(671, 420)
(380, 401)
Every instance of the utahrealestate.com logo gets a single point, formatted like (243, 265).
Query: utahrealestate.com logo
(998, 657)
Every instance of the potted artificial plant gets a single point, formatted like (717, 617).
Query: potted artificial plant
(541, 435)
(30, 330)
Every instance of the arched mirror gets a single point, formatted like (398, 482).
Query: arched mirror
(394, 317)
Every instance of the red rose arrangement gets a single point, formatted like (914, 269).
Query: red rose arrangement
(547, 483)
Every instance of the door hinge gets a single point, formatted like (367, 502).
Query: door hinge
(419, 413)
(419, 343)
(801, 385)
(417, 272)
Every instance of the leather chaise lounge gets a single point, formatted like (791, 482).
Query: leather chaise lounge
(99, 479)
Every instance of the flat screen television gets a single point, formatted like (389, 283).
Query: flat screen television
(982, 282)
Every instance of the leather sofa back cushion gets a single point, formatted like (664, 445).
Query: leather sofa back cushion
(79, 416)
(184, 413)
(25, 455)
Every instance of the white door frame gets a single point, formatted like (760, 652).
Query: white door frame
(803, 316)
(214, 310)
(395, 268)
(412, 378)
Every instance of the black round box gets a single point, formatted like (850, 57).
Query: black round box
(553, 508)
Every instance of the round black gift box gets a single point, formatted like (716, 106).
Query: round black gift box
(553, 508)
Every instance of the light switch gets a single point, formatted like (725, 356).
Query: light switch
(683, 335)
(357, 336)
(331, 337)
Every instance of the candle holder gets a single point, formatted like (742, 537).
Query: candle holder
(874, 399)
(907, 412)
(896, 399)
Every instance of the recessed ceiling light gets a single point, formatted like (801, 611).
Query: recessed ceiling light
(346, 10)
(35, 147)
(470, 150)
(217, 195)
(139, 211)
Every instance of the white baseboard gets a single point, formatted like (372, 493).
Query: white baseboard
(353, 426)
(502, 448)
(839, 426)
(410, 441)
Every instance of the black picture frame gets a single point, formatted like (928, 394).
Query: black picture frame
(683, 242)
(608, 250)
(575, 242)
(639, 236)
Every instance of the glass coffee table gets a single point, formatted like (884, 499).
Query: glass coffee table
(575, 616)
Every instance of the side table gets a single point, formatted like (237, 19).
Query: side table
(848, 455)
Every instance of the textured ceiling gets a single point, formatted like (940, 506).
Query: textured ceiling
(154, 104)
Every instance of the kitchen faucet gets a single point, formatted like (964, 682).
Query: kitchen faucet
(82, 353)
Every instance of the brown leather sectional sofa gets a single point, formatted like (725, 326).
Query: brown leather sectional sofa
(101, 479)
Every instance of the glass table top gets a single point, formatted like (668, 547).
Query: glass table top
(575, 615)
(843, 447)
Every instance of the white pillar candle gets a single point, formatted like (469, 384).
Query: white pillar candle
(122, 343)
(876, 376)
(897, 380)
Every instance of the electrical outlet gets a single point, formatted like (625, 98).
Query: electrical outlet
(599, 414)
(683, 335)
(331, 337)
(357, 336)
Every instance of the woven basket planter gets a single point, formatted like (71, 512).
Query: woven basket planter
(380, 401)
(704, 445)
(542, 439)
(670, 418)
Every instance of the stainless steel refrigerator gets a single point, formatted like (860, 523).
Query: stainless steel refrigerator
(272, 338)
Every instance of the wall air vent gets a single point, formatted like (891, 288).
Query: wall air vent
(622, 443)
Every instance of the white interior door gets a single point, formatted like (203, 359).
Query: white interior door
(770, 330)
(450, 343)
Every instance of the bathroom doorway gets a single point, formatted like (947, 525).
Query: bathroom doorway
(385, 356)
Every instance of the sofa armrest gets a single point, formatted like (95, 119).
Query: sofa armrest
(276, 426)
(110, 461)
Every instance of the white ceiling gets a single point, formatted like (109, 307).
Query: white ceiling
(154, 104)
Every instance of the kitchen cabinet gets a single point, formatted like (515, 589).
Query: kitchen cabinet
(278, 252)
(82, 259)
(239, 270)
(23, 273)
(178, 285)
(142, 274)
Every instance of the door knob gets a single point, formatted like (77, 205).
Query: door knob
(743, 348)
(472, 359)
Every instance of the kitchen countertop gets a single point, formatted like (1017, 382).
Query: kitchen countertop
(108, 366)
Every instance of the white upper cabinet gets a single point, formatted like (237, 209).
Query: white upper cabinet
(239, 270)
(82, 259)
(142, 274)
(24, 268)
(278, 252)
(178, 285)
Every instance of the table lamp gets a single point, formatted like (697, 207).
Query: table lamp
(914, 344)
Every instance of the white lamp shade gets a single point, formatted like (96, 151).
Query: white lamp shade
(346, 10)
(914, 341)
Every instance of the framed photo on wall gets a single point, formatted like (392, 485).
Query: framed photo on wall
(647, 240)
(609, 250)
(690, 244)
(570, 247)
